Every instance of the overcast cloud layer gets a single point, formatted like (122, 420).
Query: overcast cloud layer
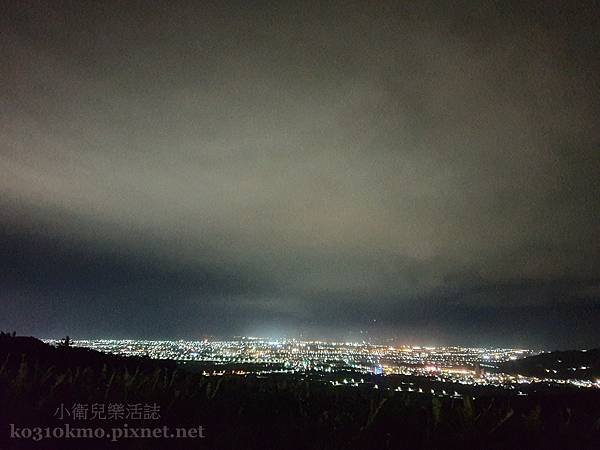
(413, 170)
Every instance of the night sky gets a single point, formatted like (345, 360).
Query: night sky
(425, 171)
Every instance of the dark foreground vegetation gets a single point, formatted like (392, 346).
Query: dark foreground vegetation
(274, 412)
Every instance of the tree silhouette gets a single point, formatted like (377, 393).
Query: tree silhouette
(66, 342)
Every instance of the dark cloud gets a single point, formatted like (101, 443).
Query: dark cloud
(300, 168)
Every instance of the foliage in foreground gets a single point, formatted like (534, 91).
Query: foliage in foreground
(279, 412)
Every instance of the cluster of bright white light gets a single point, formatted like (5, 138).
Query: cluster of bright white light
(464, 365)
(307, 354)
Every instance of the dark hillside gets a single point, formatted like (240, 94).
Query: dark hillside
(273, 412)
(578, 364)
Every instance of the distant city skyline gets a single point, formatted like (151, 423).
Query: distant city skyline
(461, 366)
